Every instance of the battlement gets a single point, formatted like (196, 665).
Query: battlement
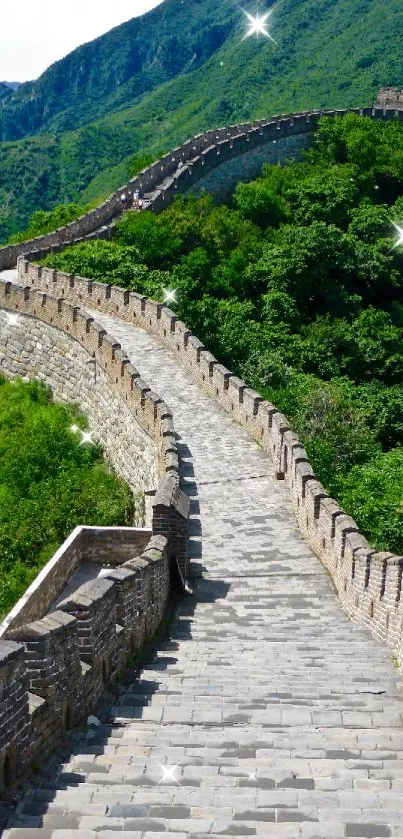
(369, 583)
(58, 656)
(54, 670)
(181, 169)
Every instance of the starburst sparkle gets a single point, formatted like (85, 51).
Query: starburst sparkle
(86, 437)
(258, 25)
(168, 774)
(169, 296)
(12, 319)
(399, 230)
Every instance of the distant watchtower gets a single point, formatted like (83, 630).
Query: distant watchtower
(389, 97)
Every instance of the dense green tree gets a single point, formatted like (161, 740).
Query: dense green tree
(156, 243)
(370, 345)
(259, 202)
(332, 427)
(49, 484)
(374, 491)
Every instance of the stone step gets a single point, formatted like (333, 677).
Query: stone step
(63, 828)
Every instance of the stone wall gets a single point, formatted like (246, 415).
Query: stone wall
(369, 583)
(223, 178)
(54, 670)
(178, 172)
(110, 546)
(38, 349)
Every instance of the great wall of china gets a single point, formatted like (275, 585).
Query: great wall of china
(60, 649)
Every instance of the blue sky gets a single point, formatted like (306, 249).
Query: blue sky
(35, 33)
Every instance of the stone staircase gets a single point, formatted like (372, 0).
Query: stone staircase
(266, 712)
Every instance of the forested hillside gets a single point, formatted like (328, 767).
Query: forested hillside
(180, 69)
(297, 286)
(120, 67)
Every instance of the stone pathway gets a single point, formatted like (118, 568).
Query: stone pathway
(267, 713)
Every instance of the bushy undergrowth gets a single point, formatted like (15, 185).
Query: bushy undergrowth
(296, 285)
(49, 484)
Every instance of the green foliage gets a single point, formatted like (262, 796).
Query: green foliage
(374, 148)
(295, 286)
(374, 490)
(157, 244)
(42, 222)
(49, 484)
(331, 425)
(106, 262)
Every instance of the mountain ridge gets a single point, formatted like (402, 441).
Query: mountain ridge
(115, 69)
(11, 85)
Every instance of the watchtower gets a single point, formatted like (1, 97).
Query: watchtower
(389, 97)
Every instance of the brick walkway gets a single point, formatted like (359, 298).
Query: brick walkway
(267, 712)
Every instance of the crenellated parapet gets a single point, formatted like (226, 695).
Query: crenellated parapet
(58, 654)
(369, 583)
(189, 166)
(54, 671)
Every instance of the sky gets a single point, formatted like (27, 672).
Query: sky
(35, 33)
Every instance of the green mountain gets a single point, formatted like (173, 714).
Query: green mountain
(119, 68)
(150, 83)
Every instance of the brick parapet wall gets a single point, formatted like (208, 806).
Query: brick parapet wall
(54, 670)
(102, 545)
(175, 172)
(368, 582)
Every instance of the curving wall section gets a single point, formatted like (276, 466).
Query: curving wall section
(369, 583)
(54, 669)
(188, 166)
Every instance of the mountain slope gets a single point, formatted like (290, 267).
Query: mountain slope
(11, 85)
(329, 53)
(118, 68)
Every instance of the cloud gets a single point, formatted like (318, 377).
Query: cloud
(35, 33)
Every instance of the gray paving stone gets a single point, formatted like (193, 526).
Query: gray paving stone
(278, 716)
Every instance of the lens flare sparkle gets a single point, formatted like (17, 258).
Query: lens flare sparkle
(170, 295)
(86, 437)
(168, 774)
(399, 242)
(258, 25)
